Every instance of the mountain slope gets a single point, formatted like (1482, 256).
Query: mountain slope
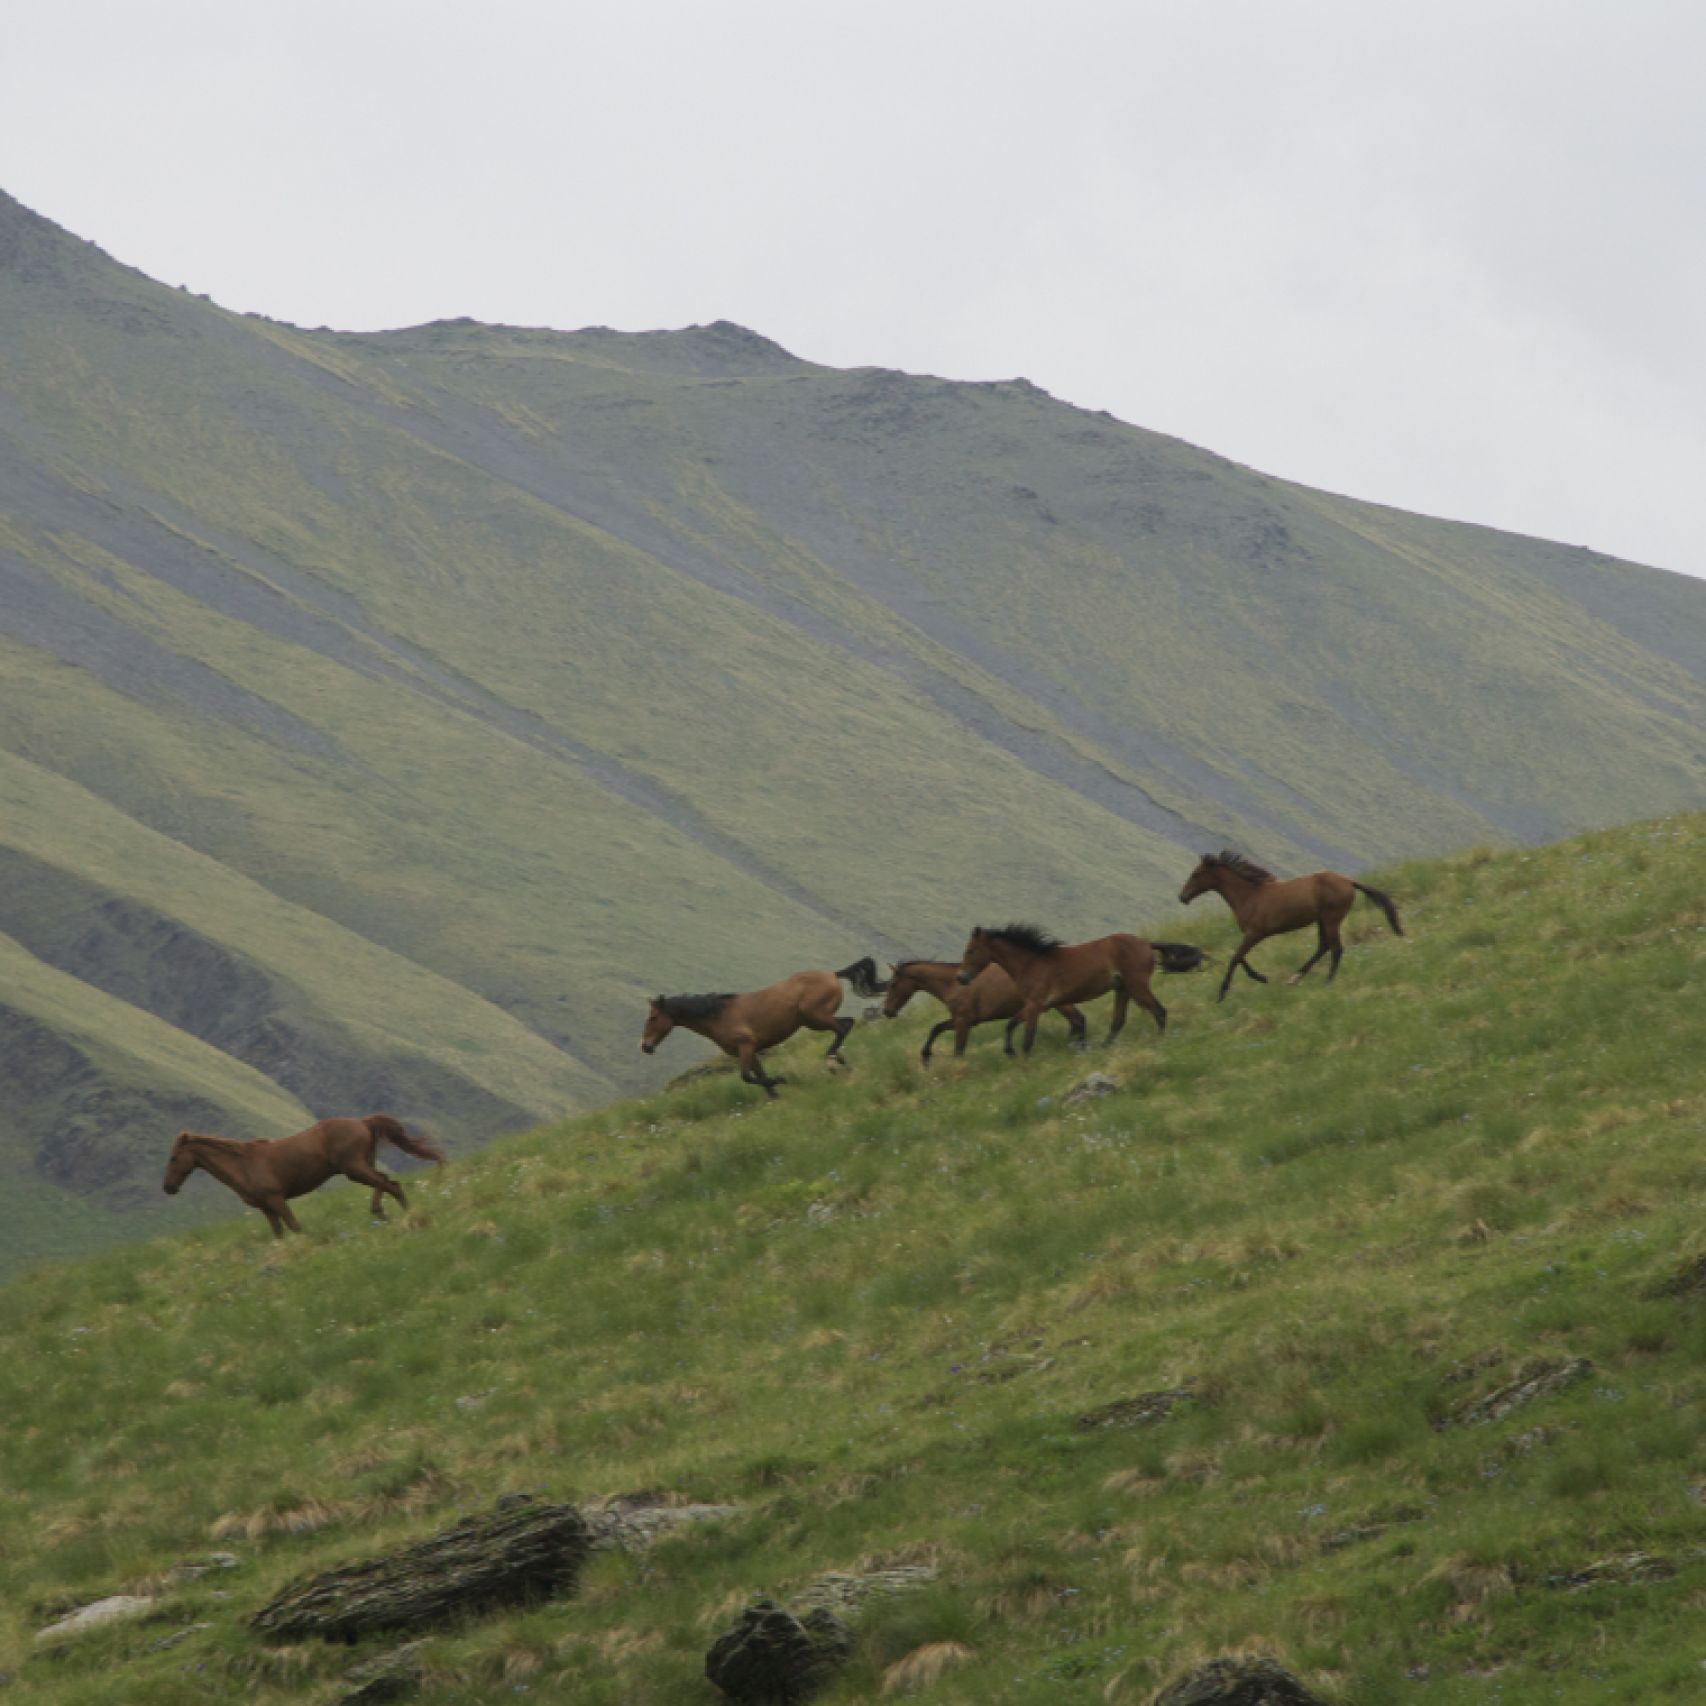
(488, 680)
(1408, 1270)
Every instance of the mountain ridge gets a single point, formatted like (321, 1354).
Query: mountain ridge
(510, 675)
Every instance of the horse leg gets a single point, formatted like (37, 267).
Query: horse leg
(1146, 998)
(383, 1186)
(1032, 1013)
(1321, 946)
(277, 1210)
(1237, 960)
(1253, 975)
(752, 1070)
(1079, 1027)
(930, 1041)
(842, 1028)
(1122, 1000)
(1331, 931)
(1007, 1037)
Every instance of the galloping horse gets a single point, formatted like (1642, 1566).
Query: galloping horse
(1264, 906)
(267, 1170)
(992, 994)
(742, 1025)
(1048, 973)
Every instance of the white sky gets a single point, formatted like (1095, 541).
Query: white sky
(1447, 254)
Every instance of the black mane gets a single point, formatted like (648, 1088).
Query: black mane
(694, 1006)
(1030, 937)
(1243, 866)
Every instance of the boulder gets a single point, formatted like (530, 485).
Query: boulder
(1238, 1681)
(521, 1553)
(773, 1658)
(1097, 1084)
(114, 1608)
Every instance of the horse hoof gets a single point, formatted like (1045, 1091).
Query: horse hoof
(1296, 977)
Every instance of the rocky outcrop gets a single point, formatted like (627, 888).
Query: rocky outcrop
(1238, 1681)
(1539, 1377)
(521, 1553)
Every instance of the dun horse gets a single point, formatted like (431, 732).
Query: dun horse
(743, 1025)
(1264, 906)
(1049, 974)
(267, 1171)
(992, 994)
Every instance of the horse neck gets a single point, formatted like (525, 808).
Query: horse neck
(934, 977)
(1011, 958)
(223, 1157)
(1238, 892)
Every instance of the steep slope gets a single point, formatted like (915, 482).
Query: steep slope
(1406, 1272)
(438, 693)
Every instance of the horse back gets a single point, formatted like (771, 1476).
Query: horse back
(773, 1014)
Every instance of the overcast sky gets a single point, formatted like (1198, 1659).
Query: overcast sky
(1450, 256)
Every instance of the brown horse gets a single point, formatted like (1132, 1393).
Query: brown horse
(266, 1171)
(992, 994)
(742, 1025)
(1048, 973)
(1264, 906)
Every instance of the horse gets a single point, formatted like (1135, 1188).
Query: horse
(1265, 906)
(990, 995)
(266, 1171)
(1048, 973)
(742, 1025)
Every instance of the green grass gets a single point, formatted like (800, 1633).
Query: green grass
(871, 1312)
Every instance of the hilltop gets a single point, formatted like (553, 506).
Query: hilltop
(1361, 1325)
(382, 717)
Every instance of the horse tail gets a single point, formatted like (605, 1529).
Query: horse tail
(862, 974)
(387, 1130)
(1178, 956)
(1384, 902)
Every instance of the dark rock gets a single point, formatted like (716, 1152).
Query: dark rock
(772, 1658)
(1238, 1682)
(1143, 1411)
(516, 1556)
(1688, 1281)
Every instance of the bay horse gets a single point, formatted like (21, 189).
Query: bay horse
(1265, 906)
(1048, 973)
(743, 1025)
(266, 1171)
(992, 994)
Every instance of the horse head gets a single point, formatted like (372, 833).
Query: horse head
(1201, 880)
(182, 1162)
(977, 954)
(902, 987)
(658, 1025)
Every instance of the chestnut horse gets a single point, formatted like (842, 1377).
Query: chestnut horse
(992, 994)
(1264, 906)
(266, 1171)
(1048, 973)
(742, 1025)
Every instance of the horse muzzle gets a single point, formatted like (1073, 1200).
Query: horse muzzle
(646, 1048)
(170, 1190)
(1186, 896)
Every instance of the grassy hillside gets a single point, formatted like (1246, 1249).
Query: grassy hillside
(873, 1313)
(391, 713)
